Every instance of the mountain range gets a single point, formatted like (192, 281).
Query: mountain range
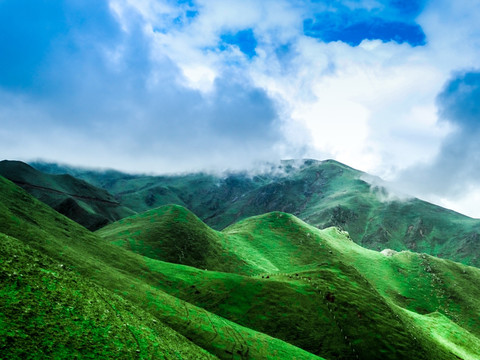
(258, 283)
(321, 193)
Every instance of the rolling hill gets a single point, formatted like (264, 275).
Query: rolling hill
(60, 280)
(274, 287)
(86, 204)
(316, 288)
(322, 193)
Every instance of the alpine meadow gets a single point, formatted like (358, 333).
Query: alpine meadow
(163, 284)
(240, 179)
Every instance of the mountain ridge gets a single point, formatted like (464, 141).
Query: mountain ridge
(322, 193)
(321, 259)
(86, 204)
(124, 273)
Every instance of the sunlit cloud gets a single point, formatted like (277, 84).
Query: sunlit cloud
(162, 86)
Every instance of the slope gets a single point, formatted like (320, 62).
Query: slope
(89, 206)
(124, 273)
(317, 289)
(422, 286)
(172, 233)
(49, 311)
(322, 193)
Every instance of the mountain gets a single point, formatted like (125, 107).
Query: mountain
(66, 292)
(322, 193)
(293, 286)
(88, 205)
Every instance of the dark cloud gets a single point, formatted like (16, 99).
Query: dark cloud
(457, 165)
(459, 103)
(89, 78)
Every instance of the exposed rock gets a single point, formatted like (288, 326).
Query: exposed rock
(388, 252)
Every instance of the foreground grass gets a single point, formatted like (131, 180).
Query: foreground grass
(49, 311)
(95, 264)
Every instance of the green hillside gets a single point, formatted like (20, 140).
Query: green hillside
(88, 205)
(49, 311)
(317, 289)
(174, 234)
(274, 286)
(79, 280)
(322, 193)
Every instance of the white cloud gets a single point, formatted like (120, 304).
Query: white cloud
(360, 104)
(372, 106)
(466, 203)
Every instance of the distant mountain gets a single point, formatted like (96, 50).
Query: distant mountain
(322, 193)
(82, 202)
(286, 290)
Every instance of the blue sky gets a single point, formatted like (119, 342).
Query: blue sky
(389, 87)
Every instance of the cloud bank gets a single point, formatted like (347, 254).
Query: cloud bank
(164, 86)
(94, 89)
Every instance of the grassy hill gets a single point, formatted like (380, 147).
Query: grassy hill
(317, 289)
(88, 205)
(275, 287)
(172, 233)
(322, 193)
(49, 311)
(61, 283)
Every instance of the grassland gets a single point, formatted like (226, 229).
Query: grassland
(316, 288)
(162, 284)
(86, 277)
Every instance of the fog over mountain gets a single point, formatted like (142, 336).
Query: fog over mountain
(166, 86)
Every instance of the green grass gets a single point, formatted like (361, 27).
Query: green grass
(174, 234)
(448, 337)
(49, 311)
(314, 288)
(88, 205)
(275, 287)
(134, 280)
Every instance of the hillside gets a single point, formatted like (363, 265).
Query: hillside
(174, 234)
(322, 193)
(314, 289)
(58, 278)
(88, 205)
(320, 291)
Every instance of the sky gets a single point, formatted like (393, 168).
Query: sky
(390, 87)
